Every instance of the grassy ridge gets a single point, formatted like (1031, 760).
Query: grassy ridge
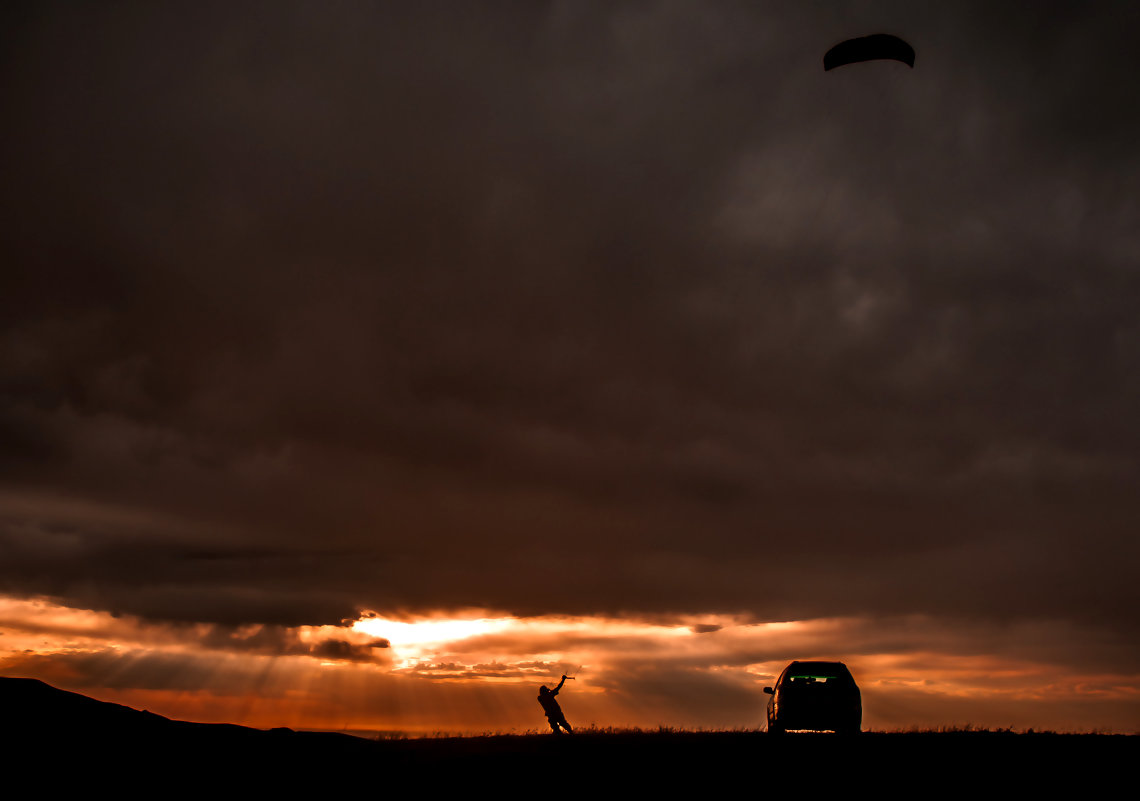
(111, 743)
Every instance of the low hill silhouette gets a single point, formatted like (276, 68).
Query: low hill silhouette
(46, 726)
(38, 717)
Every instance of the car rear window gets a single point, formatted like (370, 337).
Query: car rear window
(810, 678)
(818, 674)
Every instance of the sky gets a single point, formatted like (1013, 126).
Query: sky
(366, 365)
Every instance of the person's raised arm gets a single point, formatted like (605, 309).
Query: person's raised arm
(559, 687)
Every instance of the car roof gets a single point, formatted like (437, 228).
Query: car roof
(798, 667)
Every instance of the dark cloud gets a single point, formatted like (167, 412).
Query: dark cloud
(280, 641)
(570, 307)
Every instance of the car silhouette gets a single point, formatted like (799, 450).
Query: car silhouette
(815, 696)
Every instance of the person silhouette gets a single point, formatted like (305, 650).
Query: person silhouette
(553, 711)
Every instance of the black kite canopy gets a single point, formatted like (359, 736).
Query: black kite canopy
(869, 48)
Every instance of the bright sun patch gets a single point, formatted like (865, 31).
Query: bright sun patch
(449, 646)
(421, 633)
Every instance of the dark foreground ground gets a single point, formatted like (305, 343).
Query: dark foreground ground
(60, 737)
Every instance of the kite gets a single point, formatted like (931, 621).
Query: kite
(869, 48)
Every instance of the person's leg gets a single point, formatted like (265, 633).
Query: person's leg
(553, 725)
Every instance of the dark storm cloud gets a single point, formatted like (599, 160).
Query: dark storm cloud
(569, 307)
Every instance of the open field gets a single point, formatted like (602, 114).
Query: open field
(44, 725)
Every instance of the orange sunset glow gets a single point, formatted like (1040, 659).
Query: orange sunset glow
(477, 672)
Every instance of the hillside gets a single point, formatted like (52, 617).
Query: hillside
(44, 725)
